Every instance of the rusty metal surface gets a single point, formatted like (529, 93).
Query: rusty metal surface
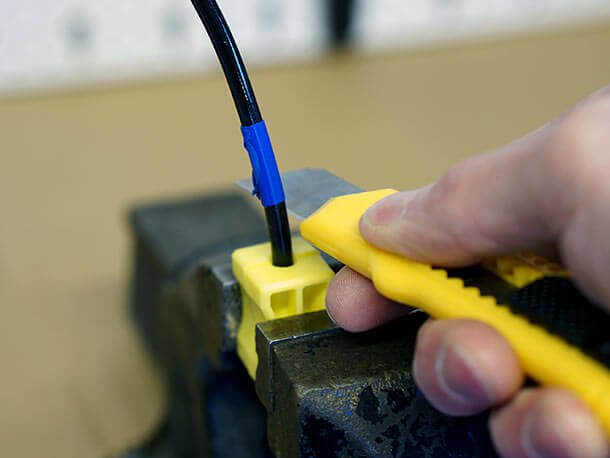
(186, 302)
(339, 394)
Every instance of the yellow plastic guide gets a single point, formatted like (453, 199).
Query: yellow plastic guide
(522, 269)
(545, 357)
(270, 292)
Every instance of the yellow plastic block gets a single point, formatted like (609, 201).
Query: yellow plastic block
(522, 269)
(270, 292)
(545, 357)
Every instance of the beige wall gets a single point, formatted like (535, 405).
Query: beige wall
(74, 380)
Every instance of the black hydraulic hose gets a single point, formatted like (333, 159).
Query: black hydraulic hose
(230, 60)
(249, 115)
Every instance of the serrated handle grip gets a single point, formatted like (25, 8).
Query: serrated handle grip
(545, 357)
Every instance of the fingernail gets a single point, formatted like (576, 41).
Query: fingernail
(387, 210)
(382, 213)
(459, 376)
(331, 317)
(558, 427)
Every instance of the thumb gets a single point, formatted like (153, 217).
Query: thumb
(485, 205)
(547, 190)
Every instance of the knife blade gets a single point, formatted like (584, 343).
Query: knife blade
(307, 190)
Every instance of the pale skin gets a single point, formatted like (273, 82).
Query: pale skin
(548, 192)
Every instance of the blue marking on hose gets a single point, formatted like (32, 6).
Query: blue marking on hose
(265, 174)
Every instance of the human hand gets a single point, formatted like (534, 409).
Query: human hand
(549, 193)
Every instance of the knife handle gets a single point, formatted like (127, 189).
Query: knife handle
(546, 357)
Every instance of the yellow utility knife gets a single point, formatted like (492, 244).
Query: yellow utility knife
(560, 338)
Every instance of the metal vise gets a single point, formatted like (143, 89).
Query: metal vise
(320, 391)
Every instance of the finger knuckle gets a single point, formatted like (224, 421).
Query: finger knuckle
(451, 182)
(578, 152)
(457, 216)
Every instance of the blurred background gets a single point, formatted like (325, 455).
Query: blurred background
(110, 103)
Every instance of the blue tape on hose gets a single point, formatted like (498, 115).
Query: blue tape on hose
(265, 175)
